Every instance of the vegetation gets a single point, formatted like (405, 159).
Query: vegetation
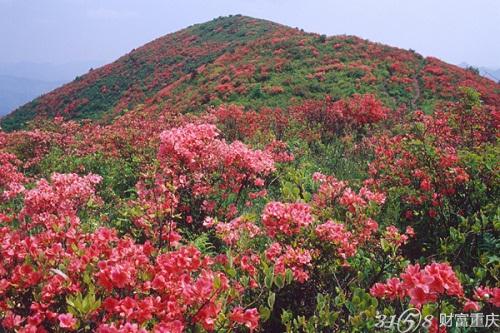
(244, 176)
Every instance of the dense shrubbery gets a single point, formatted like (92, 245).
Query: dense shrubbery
(311, 196)
(209, 234)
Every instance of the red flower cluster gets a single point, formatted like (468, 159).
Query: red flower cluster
(337, 115)
(296, 259)
(332, 191)
(336, 233)
(196, 166)
(249, 318)
(286, 218)
(197, 149)
(231, 232)
(421, 285)
(490, 295)
(11, 180)
(54, 204)
(48, 259)
(395, 238)
(426, 179)
(238, 123)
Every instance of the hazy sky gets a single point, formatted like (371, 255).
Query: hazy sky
(60, 31)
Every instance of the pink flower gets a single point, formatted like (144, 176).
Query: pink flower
(207, 315)
(378, 290)
(286, 218)
(471, 306)
(421, 285)
(425, 185)
(249, 318)
(391, 290)
(208, 222)
(336, 233)
(319, 177)
(231, 232)
(410, 232)
(296, 259)
(259, 182)
(490, 295)
(273, 251)
(351, 200)
(119, 277)
(66, 320)
(12, 320)
(377, 197)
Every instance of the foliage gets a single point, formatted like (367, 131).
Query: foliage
(262, 179)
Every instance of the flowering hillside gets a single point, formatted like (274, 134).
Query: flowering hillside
(243, 176)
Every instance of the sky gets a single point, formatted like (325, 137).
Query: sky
(100, 31)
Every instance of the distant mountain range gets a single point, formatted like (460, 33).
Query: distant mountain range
(16, 91)
(488, 72)
(23, 81)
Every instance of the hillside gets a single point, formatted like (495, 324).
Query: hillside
(244, 176)
(137, 76)
(253, 63)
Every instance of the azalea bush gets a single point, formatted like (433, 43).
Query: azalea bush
(58, 272)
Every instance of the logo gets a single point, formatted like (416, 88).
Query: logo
(407, 322)
(412, 319)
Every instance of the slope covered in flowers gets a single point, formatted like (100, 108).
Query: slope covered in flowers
(112, 89)
(254, 63)
(296, 183)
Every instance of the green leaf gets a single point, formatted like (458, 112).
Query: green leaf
(279, 281)
(289, 276)
(245, 280)
(265, 313)
(271, 299)
(385, 245)
(217, 282)
(231, 272)
(268, 280)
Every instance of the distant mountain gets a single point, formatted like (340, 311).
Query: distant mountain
(48, 72)
(254, 63)
(488, 72)
(16, 91)
(21, 82)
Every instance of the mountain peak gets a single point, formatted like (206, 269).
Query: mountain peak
(254, 63)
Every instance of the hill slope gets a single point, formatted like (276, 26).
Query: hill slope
(254, 63)
(143, 72)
